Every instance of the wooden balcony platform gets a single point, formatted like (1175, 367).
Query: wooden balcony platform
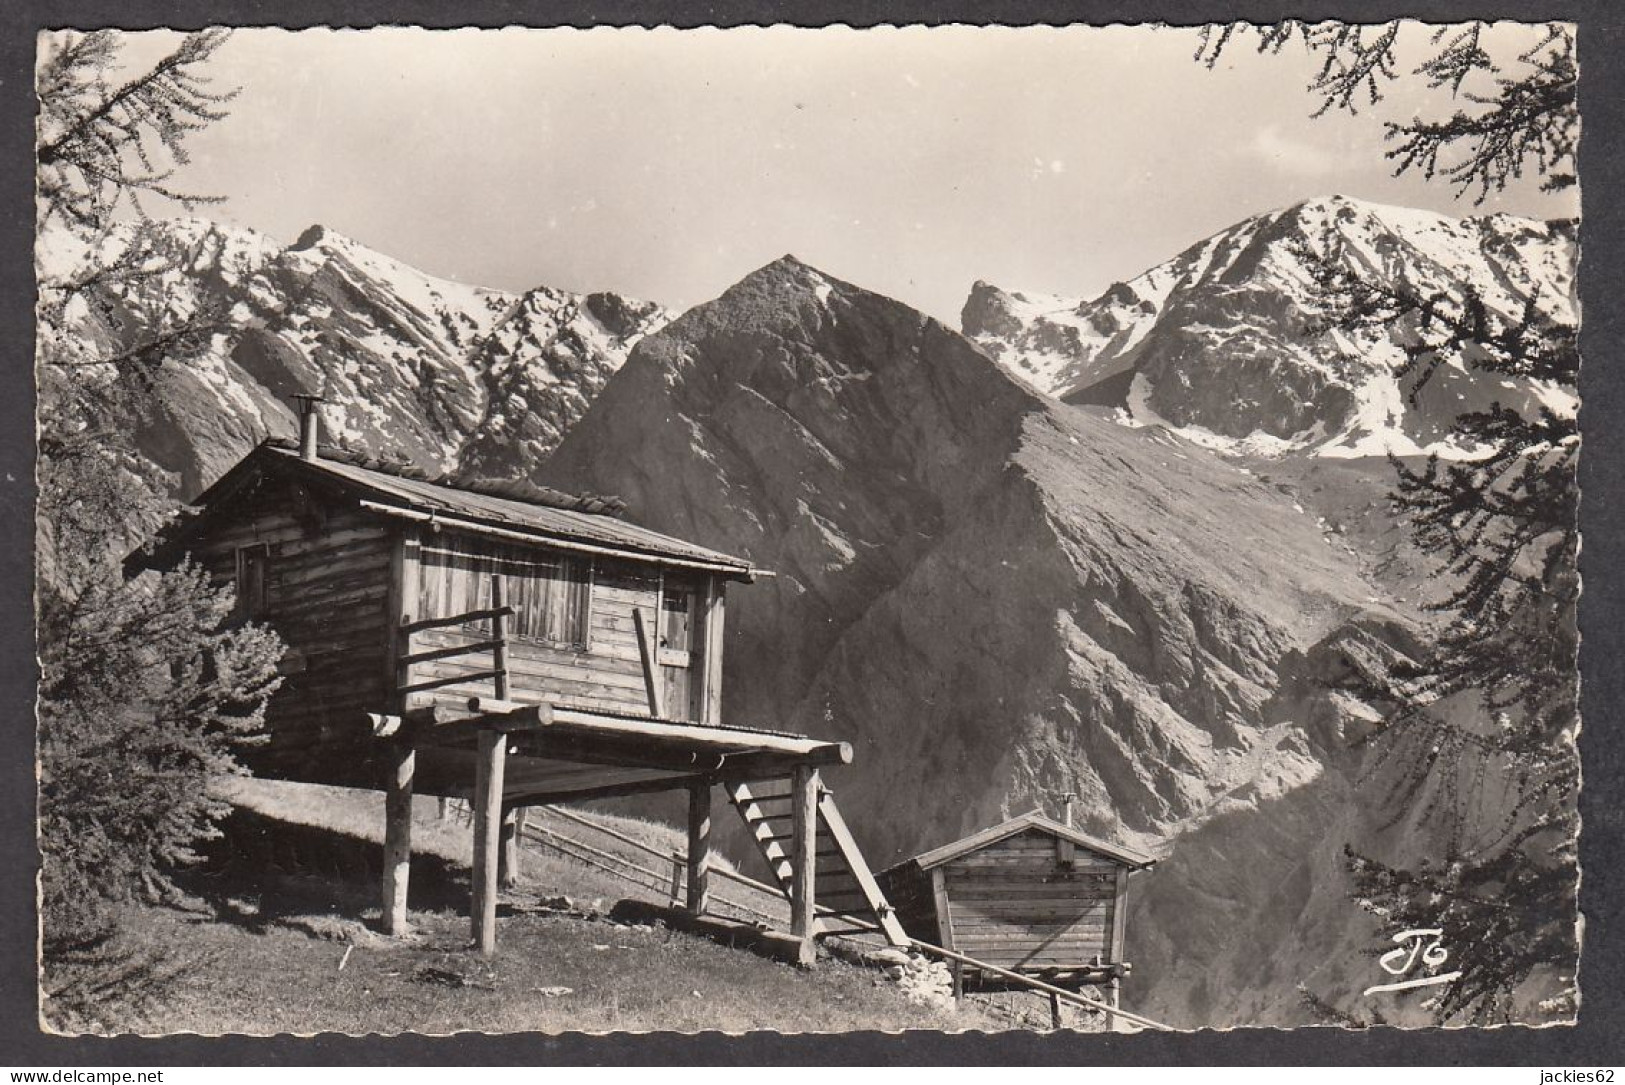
(503, 755)
(566, 754)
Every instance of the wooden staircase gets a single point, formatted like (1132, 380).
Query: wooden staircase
(844, 889)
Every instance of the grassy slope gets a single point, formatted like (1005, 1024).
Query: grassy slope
(287, 978)
(277, 941)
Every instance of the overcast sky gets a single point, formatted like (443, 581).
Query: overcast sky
(667, 165)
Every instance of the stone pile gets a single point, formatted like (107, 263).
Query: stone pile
(923, 981)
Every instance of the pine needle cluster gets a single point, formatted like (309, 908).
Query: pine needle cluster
(1506, 120)
(1479, 743)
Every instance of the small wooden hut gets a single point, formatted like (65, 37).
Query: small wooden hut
(1030, 895)
(511, 650)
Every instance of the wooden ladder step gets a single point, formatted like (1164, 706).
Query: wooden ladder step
(843, 884)
(873, 900)
(825, 847)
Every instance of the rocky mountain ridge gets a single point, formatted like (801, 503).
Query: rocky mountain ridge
(452, 378)
(1000, 600)
(1225, 343)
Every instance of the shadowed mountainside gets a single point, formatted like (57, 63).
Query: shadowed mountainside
(998, 599)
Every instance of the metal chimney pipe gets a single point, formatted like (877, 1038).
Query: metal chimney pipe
(310, 425)
(1068, 810)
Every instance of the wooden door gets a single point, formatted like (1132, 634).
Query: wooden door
(679, 647)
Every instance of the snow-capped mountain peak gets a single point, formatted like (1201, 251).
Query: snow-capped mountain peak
(449, 376)
(1221, 342)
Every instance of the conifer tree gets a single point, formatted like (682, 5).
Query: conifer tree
(1481, 736)
(147, 686)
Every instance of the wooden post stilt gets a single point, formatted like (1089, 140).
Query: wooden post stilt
(513, 826)
(1115, 1023)
(959, 982)
(488, 772)
(676, 879)
(699, 848)
(398, 835)
(400, 756)
(804, 857)
(493, 749)
(1054, 1011)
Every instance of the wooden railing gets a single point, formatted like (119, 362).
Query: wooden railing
(621, 867)
(497, 614)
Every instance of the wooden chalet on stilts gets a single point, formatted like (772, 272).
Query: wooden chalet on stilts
(1030, 895)
(513, 651)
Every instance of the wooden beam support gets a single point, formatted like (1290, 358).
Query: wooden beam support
(499, 636)
(407, 725)
(730, 932)
(404, 576)
(427, 716)
(651, 669)
(846, 846)
(506, 715)
(676, 892)
(699, 848)
(543, 797)
(591, 725)
(804, 859)
(945, 916)
(1119, 949)
(621, 752)
(513, 829)
(398, 836)
(1119, 916)
(711, 657)
(488, 770)
(597, 738)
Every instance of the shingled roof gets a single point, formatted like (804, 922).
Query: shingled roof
(521, 490)
(545, 516)
(1021, 823)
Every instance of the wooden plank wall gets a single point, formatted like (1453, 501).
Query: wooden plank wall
(908, 890)
(608, 676)
(1015, 905)
(326, 587)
